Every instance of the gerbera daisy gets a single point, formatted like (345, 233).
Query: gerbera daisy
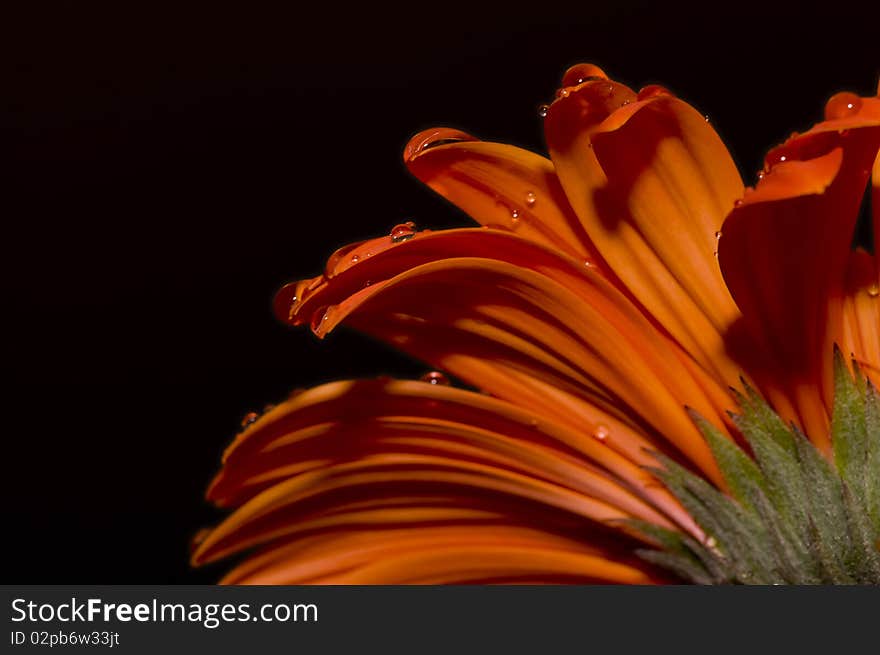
(644, 349)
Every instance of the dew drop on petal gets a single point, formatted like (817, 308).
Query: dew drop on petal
(772, 161)
(531, 199)
(580, 73)
(842, 105)
(653, 91)
(514, 214)
(355, 259)
(403, 232)
(874, 290)
(318, 318)
(542, 110)
(431, 138)
(249, 418)
(601, 433)
(435, 377)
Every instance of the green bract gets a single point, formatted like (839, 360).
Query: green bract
(791, 516)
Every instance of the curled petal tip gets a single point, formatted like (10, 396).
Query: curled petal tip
(285, 301)
(431, 138)
(581, 73)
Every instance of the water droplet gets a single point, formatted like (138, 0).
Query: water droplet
(514, 214)
(706, 117)
(737, 203)
(772, 160)
(433, 137)
(842, 105)
(601, 433)
(435, 377)
(562, 93)
(580, 73)
(355, 259)
(318, 318)
(718, 234)
(249, 418)
(653, 91)
(531, 199)
(874, 290)
(542, 110)
(403, 232)
(588, 263)
(761, 175)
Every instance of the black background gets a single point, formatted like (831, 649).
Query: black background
(172, 167)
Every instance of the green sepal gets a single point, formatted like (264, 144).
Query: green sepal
(790, 514)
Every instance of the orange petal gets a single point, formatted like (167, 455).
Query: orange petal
(441, 554)
(861, 314)
(304, 434)
(875, 202)
(500, 186)
(565, 325)
(785, 250)
(651, 182)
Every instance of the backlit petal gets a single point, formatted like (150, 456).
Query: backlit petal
(500, 186)
(441, 555)
(651, 182)
(785, 251)
(861, 314)
(483, 318)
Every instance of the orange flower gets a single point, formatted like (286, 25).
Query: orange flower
(613, 291)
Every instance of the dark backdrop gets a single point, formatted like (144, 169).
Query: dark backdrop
(170, 168)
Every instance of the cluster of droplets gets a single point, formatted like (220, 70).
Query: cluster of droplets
(514, 212)
(574, 76)
(398, 234)
(839, 106)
